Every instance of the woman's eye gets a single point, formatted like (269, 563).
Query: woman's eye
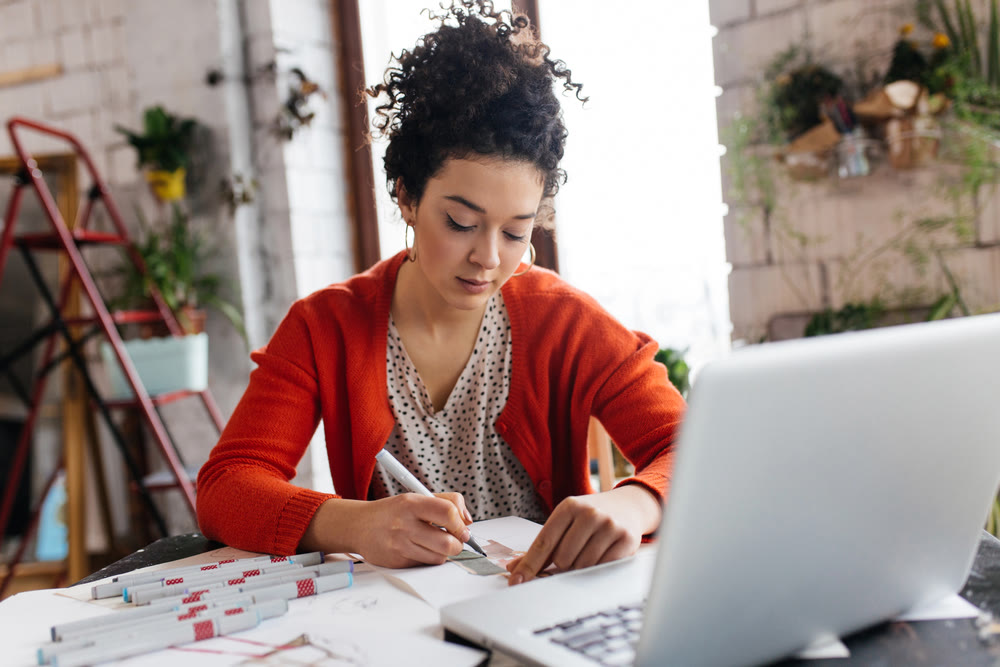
(454, 225)
(515, 237)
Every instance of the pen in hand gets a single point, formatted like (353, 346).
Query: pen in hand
(412, 484)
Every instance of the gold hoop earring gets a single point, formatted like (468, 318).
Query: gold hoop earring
(411, 256)
(531, 248)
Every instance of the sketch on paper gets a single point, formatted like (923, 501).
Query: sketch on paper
(495, 561)
(307, 651)
(302, 651)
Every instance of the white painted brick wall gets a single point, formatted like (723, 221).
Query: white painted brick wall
(746, 238)
(757, 293)
(978, 271)
(724, 12)
(765, 7)
(844, 223)
(69, 13)
(112, 10)
(102, 44)
(885, 278)
(17, 19)
(743, 50)
(16, 55)
(42, 50)
(74, 49)
(735, 101)
(77, 91)
(988, 229)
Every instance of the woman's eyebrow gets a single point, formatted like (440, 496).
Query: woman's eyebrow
(479, 209)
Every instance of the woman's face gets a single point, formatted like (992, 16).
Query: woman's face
(473, 226)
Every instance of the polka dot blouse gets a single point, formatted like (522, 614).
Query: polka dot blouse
(457, 448)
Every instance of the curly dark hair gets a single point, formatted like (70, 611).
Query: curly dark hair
(481, 84)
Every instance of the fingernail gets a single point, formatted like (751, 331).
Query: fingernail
(516, 578)
(466, 534)
(468, 517)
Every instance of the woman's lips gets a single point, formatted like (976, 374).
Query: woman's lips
(474, 286)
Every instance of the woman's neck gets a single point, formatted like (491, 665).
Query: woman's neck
(415, 305)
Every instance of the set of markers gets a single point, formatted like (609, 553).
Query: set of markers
(187, 604)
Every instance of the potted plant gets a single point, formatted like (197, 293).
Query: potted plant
(163, 151)
(174, 258)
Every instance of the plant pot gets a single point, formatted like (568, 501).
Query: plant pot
(167, 185)
(173, 363)
(192, 321)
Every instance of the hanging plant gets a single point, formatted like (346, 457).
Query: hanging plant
(163, 150)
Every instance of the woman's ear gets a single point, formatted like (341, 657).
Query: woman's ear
(407, 207)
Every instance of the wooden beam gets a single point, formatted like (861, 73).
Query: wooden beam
(546, 250)
(357, 149)
(28, 74)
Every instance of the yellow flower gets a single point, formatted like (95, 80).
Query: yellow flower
(906, 29)
(941, 41)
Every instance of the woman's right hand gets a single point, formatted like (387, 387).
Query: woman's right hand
(400, 531)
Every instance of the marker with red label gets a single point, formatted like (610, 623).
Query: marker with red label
(186, 595)
(228, 574)
(127, 617)
(122, 634)
(287, 590)
(117, 585)
(174, 633)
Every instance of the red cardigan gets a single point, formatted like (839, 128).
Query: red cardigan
(570, 360)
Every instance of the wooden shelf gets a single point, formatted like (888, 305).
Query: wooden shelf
(33, 576)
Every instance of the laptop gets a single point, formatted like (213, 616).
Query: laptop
(822, 485)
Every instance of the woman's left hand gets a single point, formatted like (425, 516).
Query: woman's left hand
(588, 530)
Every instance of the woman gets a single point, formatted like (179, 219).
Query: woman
(477, 372)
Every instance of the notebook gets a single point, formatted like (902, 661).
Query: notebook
(822, 485)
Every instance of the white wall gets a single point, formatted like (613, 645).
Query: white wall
(639, 221)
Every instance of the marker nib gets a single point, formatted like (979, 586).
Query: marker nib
(475, 546)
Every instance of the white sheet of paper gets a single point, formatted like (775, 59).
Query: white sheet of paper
(824, 648)
(343, 627)
(953, 606)
(443, 584)
(25, 620)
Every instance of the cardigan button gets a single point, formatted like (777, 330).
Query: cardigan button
(544, 486)
(501, 428)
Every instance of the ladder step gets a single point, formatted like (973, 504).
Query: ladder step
(51, 241)
(164, 479)
(159, 399)
(119, 317)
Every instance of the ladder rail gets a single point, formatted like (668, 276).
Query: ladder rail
(82, 273)
(100, 187)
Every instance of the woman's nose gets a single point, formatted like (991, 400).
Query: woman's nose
(486, 252)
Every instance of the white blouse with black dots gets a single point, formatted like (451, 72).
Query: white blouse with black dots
(457, 448)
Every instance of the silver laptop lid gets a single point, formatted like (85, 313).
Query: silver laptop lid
(823, 485)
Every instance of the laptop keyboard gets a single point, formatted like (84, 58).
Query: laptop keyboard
(608, 637)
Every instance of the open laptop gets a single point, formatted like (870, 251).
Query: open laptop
(822, 485)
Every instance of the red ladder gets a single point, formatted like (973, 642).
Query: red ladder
(70, 242)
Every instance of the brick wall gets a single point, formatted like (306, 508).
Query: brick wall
(820, 246)
(119, 57)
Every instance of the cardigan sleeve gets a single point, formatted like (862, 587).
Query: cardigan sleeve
(642, 412)
(245, 497)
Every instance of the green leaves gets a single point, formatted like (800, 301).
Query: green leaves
(677, 368)
(165, 141)
(174, 258)
(852, 317)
